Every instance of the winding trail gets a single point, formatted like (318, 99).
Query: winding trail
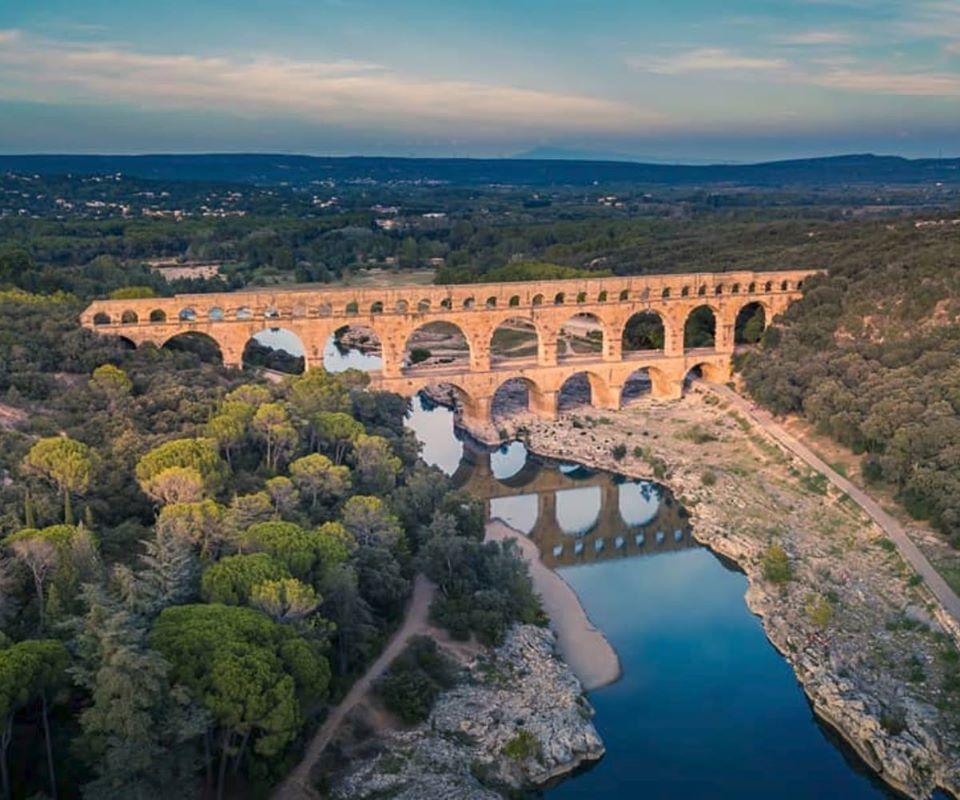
(897, 533)
(297, 786)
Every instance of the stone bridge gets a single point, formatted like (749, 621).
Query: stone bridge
(393, 314)
(610, 535)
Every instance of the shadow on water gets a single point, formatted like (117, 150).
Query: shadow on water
(706, 707)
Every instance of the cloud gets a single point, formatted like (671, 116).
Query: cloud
(347, 93)
(705, 59)
(816, 38)
(919, 84)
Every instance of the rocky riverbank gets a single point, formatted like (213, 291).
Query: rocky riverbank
(518, 720)
(873, 650)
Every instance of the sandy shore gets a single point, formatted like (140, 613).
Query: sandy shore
(584, 648)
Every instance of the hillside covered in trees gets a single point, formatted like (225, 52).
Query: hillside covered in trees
(194, 564)
(871, 355)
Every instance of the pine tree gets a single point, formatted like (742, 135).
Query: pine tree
(140, 734)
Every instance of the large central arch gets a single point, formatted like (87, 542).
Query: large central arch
(581, 334)
(277, 349)
(700, 329)
(201, 345)
(515, 339)
(436, 345)
(643, 332)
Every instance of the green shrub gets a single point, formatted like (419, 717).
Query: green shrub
(776, 565)
(708, 477)
(415, 679)
(522, 746)
(619, 451)
(419, 354)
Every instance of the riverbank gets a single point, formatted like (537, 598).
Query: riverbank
(871, 647)
(584, 647)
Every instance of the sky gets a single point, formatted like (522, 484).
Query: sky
(677, 80)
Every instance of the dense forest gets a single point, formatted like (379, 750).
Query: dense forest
(194, 563)
(872, 357)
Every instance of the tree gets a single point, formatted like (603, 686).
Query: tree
(305, 553)
(170, 575)
(345, 607)
(317, 391)
(201, 524)
(273, 427)
(369, 521)
(138, 732)
(375, 465)
(231, 580)
(283, 495)
(64, 462)
(228, 430)
(175, 485)
(248, 509)
(112, 382)
(335, 432)
(199, 455)
(65, 551)
(285, 600)
(252, 674)
(252, 394)
(28, 670)
(317, 477)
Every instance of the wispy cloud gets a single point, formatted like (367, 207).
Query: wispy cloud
(919, 84)
(331, 92)
(814, 38)
(704, 59)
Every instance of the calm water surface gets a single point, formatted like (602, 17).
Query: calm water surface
(705, 707)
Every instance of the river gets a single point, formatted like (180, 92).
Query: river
(705, 706)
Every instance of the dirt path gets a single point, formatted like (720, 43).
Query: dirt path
(898, 535)
(297, 784)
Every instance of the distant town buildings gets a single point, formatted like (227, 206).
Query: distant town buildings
(172, 269)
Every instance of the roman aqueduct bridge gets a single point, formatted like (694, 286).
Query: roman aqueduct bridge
(393, 314)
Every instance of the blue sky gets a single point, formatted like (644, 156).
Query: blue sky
(683, 79)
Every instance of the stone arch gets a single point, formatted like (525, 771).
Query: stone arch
(515, 395)
(752, 288)
(158, 315)
(244, 313)
(706, 371)
(580, 334)
(537, 300)
(446, 303)
(665, 294)
(423, 306)
(352, 308)
(449, 394)
(750, 323)
(277, 349)
(376, 307)
(580, 389)
(446, 344)
(700, 328)
(129, 317)
(799, 285)
(353, 347)
(702, 291)
(188, 315)
(602, 297)
(215, 314)
(325, 310)
(514, 301)
(202, 345)
(718, 289)
(559, 299)
(581, 297)
(515, 338)
(685, 291)
(644, 382)
(625, 295)
(101, 318)
(469, 302)
(271, 312)
(785, 286)
(491, 302)
(735, 289)
(768, 286)
(402, 306)
(644, 331)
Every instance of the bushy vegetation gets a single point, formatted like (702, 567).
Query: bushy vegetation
(232, 554)
(872, 357)
(415, 678)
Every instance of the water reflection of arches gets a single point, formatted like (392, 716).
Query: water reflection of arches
(614, 518)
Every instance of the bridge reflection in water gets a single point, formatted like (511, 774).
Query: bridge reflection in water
(575, 515)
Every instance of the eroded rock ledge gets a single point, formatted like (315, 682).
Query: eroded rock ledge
(518, 721)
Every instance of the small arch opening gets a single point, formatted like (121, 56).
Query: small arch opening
(514, 301)
(188, 315)
(101, 318)
(537, 300)
(216, 314)
(559, 299)
(129, 318)
(376, 307)
(158, 315)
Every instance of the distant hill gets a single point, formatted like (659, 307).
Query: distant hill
(273, 169)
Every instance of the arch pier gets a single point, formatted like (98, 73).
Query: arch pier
(698, 318)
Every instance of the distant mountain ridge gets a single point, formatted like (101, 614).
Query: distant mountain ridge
(266, 168)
